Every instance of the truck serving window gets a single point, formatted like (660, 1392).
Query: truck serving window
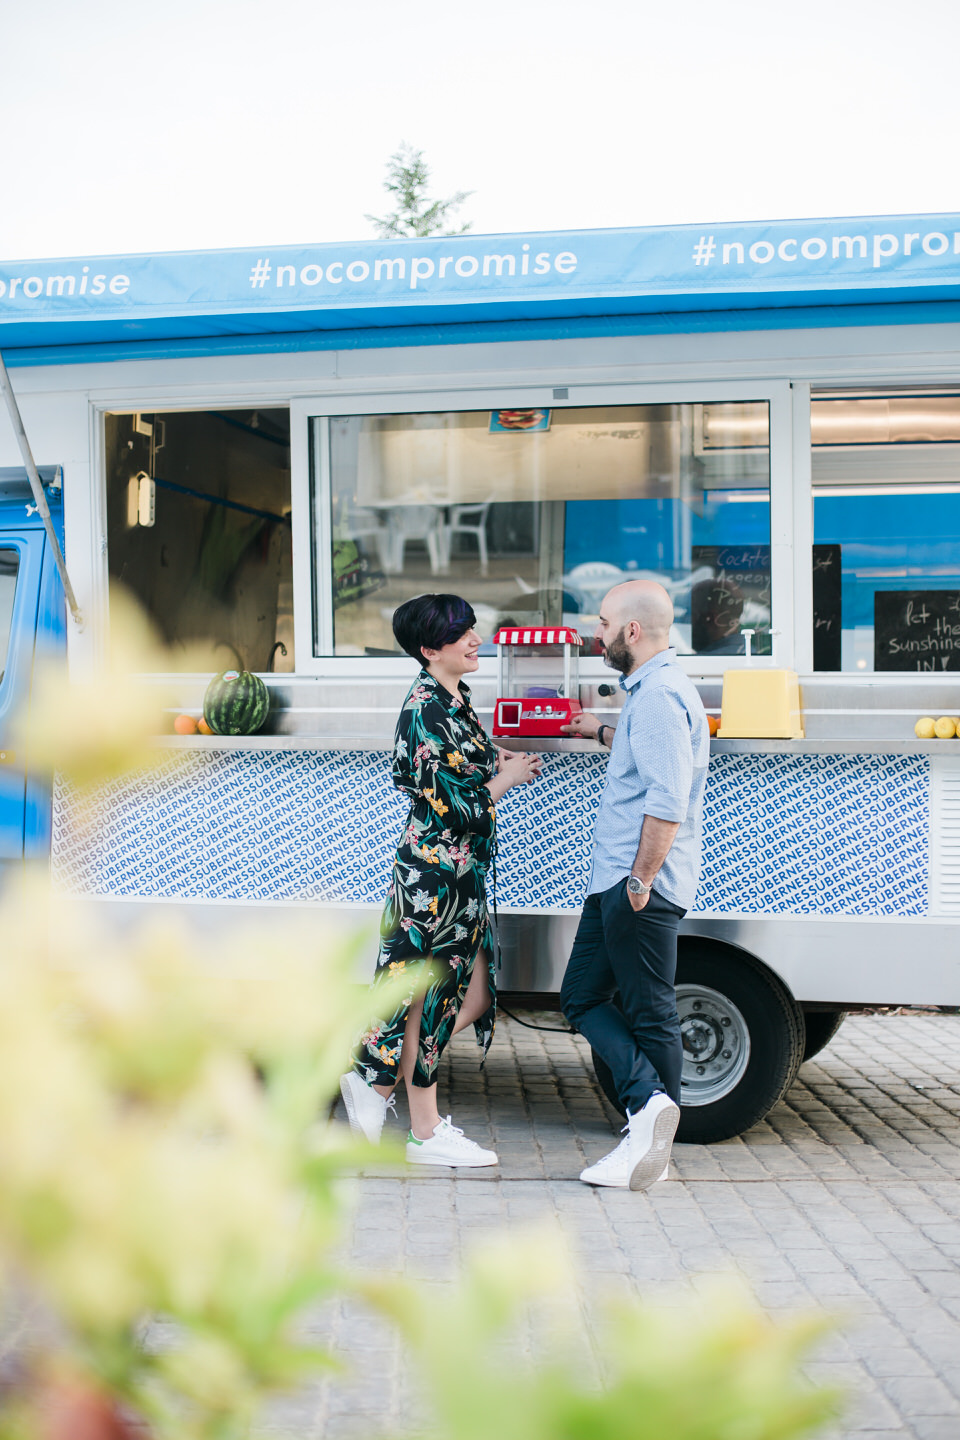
(198, 511)
(9, 566)
(886, 487)
(532, 515)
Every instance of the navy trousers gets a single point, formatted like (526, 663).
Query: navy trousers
(634, 952)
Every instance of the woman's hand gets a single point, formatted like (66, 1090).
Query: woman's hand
(504, 755)
(519, 768)
(514, 767)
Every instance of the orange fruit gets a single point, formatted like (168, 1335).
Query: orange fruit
(203, 727)
(713, 723)
(185, 725)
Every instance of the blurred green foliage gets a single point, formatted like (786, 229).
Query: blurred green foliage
(508, 1353)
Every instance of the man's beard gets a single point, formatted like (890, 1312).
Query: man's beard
(617, 654)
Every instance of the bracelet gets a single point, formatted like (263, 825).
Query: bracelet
(600, 730)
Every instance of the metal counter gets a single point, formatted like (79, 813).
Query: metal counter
(842, 714)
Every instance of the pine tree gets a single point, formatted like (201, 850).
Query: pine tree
(415, 214)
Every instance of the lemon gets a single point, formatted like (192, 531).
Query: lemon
(946, 727)
(925, 728)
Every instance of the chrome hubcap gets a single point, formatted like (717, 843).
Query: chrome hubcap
(716, 1045)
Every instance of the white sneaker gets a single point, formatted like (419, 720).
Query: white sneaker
(642, 1158)
(614, 1169)
(366, 1108)
(447, 1146)
(651, 1136)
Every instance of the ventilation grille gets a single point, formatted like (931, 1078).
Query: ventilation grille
(944, 837)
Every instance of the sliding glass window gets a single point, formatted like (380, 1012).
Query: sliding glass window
(534, 514)
(886, 486)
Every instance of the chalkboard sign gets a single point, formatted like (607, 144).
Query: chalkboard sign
(916, 630)
(740, 588)
(826, 607)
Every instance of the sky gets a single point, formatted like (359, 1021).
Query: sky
(203, 124)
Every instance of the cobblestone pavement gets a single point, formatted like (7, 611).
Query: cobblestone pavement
(845, 1197)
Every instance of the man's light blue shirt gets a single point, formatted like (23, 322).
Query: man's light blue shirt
(658, 766)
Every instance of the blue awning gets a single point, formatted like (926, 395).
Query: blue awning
(368, 292)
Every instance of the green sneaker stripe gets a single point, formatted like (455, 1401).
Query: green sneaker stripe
(412, 1139)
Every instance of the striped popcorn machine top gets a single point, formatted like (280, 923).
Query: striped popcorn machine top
(538, 685)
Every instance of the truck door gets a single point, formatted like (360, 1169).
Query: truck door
(21, 557)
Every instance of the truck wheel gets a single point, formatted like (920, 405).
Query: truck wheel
(742, 1045)
(822, 1025)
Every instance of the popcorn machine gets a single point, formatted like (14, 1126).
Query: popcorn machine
(538, 683)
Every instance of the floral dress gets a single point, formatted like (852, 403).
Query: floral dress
(436, 906)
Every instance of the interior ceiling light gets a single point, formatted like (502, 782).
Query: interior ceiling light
(887, 420)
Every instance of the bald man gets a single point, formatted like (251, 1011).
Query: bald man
(646, 867)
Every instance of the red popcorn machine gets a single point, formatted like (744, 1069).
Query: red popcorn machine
(537, 679)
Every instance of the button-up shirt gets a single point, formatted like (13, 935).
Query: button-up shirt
(658, 766)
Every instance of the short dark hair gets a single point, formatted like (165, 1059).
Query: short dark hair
(431, 620)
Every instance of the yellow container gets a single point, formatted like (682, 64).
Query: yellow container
(760, 705)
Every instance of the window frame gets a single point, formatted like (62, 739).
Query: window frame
(854, 386)
(310, 495)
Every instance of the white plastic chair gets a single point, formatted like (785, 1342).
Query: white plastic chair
(460, 523)
(590, 581)
(414, 522)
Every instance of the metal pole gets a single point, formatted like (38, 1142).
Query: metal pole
(36, 485)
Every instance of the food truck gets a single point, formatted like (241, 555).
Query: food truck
(272, 449)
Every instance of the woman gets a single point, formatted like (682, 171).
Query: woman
(436, 908)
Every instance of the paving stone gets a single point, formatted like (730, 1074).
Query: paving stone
(939, 1427)
(845, 1199)
(894, 1360)
(921, 1396)
(869, 1408)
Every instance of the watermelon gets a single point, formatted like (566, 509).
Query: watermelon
(236, 703)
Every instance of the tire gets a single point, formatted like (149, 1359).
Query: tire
(821, 1026)
(727, 1087)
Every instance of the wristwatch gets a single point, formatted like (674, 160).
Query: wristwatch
(636, 886)
(600, 730)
